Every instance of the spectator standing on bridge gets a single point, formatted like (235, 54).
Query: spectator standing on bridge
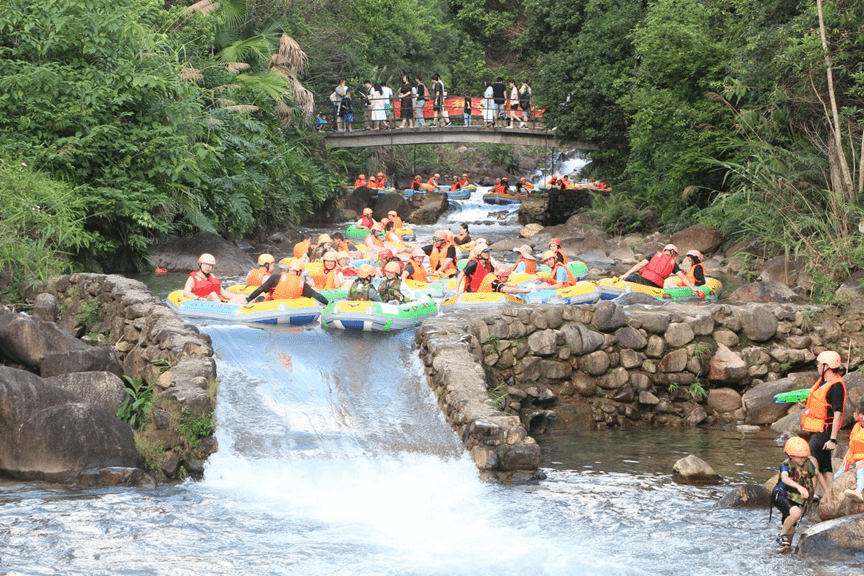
(466, 110)
(488, 106)
(387, 95)
(525, 103)
(336, 99)
(365, 95)
(406, 102)
(348, 111)
(421, 100)
(378, 114)
(438, 103)
(513, 104)
(499, 98)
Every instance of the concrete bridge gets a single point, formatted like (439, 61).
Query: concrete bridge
(535, 135)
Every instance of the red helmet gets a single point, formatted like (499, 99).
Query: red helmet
(797, 446)
(386, 253)
(555, 241)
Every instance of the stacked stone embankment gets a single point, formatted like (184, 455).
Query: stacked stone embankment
(66, 361)
(559, 368)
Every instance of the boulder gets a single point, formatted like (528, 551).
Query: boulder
(757, 323)
(759, 402)
(630, 338)
(852, 288)
(57, 443)
(361, 198)
(596, 258)
(580, 340)
(542, 342)
(723, 400)
(726, 366)
(763, 292)
(694, 470)
(88, 359)
(428, 208)
(840, 504)
(655, 321)
(790, 424)
(45, 307)
(529, 230)
(679, 334)
(21, 341)
(386, 202)
(698, 237)
(595, 363)
(103, 389)
(834, 539)
(608, 316)
(181, 255)
(746, 496)
(782, 269)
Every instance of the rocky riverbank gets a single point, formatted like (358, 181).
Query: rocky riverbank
(93, 341)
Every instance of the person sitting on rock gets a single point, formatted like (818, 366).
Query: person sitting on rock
(795, 488)
(854, 457)
(361, 288)
(202, 284)
(286, 285)
(654, 272)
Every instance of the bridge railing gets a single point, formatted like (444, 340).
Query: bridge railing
(453, 106)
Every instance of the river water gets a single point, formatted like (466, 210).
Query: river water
(335, 460)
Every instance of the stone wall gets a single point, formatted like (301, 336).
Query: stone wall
(153, 344)
(559, 368)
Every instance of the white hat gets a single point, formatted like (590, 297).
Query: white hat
(526, 251)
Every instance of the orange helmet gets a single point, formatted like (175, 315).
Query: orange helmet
(207, 259)
(548, 254)
(555, 242)
(265, 259)
(671, 247)
(366, 271)
(797, 446)
(830, 359)
(393, 267)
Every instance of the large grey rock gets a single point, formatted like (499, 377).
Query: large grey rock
(783, 270)
(746, 496)
(88, 359)
(835, 539)
(608, 316)
(727, 366)
(542, 343)
(655, 321)
(102, 389)
(59, 442)
(760, 405)
(181, 255)
(580, 339)
(723, 400)
(679, 334)
(694, 470)
(630, 338)
(757, 323)
(763, 292)
(595, 363)
(700, 237)
(21, 341)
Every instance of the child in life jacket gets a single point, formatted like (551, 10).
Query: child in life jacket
(854, 458)
(795, 488)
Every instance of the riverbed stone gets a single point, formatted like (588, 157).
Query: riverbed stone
(746, 496)
(555, 370)
(727, 366)
(674, 361)
(757, 323)
(630, 358)
(646, 397)
(583, 385)
(543, 342)
(608, 316)
(724, 400)
(654, 321)
(640, 381)
(656, 346)
(763, 292)
(835, 539)
(694, 470)
(760, 405)
(595, 363)
(90, 359)
(103, 389)
(679, 334)
(630, 338)
(580, 339)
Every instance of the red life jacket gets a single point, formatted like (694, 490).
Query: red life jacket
(205, 286)
(359, 182)
(290, 286)
(658, 269)
(366, 221)
(473, 282)
(815, 415)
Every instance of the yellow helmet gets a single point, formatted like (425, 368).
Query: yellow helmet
(207, 259)
(322, 238)
(830, 359)
(342, 255)
(548, 254)
(329, 255)
(265, 259)
(393, 266)
(366, 271)
(296, 264)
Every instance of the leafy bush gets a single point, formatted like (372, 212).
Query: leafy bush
(137, 407)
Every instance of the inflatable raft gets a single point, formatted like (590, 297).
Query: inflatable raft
(296, 312)
(611, 288)
(502, 199)
(366, 316)
(479, 300)
(584, 292)
(354, 231)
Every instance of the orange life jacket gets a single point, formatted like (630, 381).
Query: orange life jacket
(475, 281)
(815, 415)
(203, 287)
(437, 258)
(375, 240)
(553, 273)
(563, 257)
(301, 248)
(290, 286)
(342, 246)
(324, 280)
(658, 269)
(464, 183)
(256, 277)
(455, 186)
(856, 445)
(359, 182)
(373, 183)
(432, 182)
(530, 265)
(418, 273)
(499, 189)
(691, 273)
(486, 284)
(527, 186)
(397, 222)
